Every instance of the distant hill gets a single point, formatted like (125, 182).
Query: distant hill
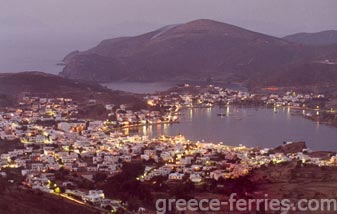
(203, 50)
(15, 85)
(321, 38)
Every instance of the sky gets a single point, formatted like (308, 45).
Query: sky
(35, 34)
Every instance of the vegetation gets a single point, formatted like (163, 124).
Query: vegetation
(126, 187)
(8, 145)
(15, 200)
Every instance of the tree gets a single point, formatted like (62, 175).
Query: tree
(183, 190)
(125, 186)
(100, 177)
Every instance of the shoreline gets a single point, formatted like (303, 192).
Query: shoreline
(240, 106)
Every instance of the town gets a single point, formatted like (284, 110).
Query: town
(58, 153)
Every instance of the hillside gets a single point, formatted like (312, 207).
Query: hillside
(328, 37)
(13, 199)
(15, 85)
(201, 50)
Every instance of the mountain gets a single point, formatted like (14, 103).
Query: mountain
(15, 85)
(203, 50)
(321, 38)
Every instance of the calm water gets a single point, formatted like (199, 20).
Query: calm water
(153, 87)
(265, 128)
(138, 87)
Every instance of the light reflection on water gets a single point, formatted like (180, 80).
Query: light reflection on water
(248, 126)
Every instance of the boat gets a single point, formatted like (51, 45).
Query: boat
(222, 115)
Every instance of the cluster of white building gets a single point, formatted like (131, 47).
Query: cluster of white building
(291, 99)
(212, 95)
(52, 139)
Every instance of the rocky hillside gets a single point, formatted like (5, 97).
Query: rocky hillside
(201, 50)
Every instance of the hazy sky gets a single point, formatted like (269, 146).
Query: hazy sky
(31, 26)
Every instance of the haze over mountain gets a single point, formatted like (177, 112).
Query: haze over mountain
(328, 37)
(35, 37)
(204, 49)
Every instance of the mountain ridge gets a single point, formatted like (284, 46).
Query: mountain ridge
(327, 37)
(197, 50)
(14, 86)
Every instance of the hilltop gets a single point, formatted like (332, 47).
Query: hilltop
(14, 86)
(328, 37)
(204, 50)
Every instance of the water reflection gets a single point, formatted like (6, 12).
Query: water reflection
(209, 112)
(288, 113)
(191, 113)
(227, 110)
(145, 128)
(249, 126)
